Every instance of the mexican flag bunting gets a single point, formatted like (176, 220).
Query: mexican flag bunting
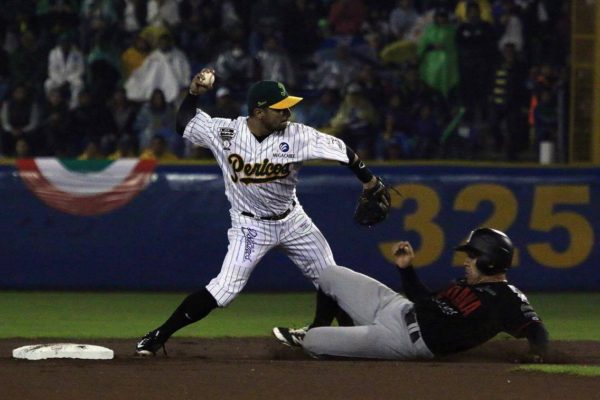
(85, 188)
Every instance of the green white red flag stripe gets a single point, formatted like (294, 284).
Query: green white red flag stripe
(87, 193)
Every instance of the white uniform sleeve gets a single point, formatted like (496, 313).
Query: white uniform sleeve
(200, 129)
(326, 147)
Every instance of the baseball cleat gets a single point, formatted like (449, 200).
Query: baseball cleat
(150, 344)
(290, 337)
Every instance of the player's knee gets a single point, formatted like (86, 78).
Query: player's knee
(327, 277)
(223, 295)
(224, 302)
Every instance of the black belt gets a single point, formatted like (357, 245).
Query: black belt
(272, 217)
(414, 331)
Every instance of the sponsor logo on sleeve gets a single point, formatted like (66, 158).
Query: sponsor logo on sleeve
(337, 143)
(331, 142)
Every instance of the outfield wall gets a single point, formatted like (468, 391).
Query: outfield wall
(171, 235)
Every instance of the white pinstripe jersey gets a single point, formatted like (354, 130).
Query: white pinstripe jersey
(261, 177)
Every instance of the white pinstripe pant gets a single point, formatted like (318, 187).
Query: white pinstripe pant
(250, 239)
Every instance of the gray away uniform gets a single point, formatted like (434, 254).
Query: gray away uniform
(423, 324)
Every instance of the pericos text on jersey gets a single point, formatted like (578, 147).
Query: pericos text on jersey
(265, 171)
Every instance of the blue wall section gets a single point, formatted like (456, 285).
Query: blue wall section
(172, 236)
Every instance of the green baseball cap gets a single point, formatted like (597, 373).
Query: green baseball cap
(270, 94)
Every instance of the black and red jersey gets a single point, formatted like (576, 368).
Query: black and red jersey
(463, 316)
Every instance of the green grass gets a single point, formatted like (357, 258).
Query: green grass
(127, 315)
(569, 316)
(579, 370)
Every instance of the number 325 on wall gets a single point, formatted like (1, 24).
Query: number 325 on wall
(544, 217)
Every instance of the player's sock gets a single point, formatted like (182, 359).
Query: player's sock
(326, 310)
(343, 318)
(193, 308)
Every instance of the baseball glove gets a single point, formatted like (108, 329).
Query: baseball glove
(373, 205)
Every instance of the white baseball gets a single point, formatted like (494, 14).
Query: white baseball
(208, 78)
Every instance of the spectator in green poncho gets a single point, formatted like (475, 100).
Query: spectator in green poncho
(438, 55)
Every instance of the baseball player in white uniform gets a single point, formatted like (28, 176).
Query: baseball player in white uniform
(260, 156)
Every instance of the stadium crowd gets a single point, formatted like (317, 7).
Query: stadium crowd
(423, 79)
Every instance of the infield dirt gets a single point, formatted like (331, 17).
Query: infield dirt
(261, 368)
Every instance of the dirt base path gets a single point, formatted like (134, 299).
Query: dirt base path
(261, 368)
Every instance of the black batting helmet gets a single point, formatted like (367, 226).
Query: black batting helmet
(494, 250)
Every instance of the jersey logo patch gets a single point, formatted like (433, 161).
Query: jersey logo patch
(227, 135)
(282, 88)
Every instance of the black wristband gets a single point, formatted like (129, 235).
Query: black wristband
(358, 167)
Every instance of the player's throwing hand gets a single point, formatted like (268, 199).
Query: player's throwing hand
(202, 82)
(403, 254)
